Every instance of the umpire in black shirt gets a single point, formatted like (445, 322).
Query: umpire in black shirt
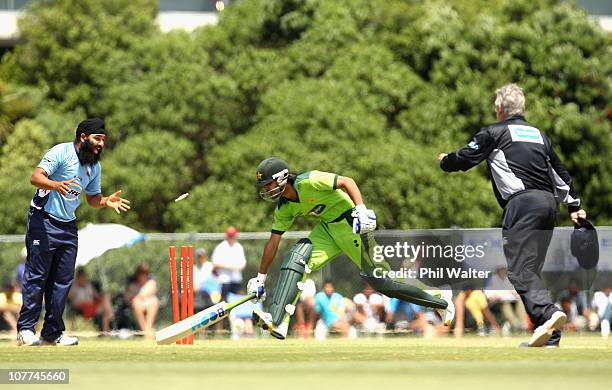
(529, 181)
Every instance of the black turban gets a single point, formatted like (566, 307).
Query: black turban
(91, 126)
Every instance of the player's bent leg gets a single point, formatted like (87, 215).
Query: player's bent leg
(290, 285)
(441, 300)
(359, 249)
(405, 292)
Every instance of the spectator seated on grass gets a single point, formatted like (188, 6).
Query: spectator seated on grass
(305, 314)
(10, 305)
(602, 302)
(471, 309)
(402, 315)
(503, 299)
(241, 324)
(330, 306)
(86, 299)
(369, 311)
(141, 292)
(573, 302)
(20, 269)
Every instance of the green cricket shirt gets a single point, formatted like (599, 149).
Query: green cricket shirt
(318, 198)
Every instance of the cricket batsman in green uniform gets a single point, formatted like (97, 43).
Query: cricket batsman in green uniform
(345, 226)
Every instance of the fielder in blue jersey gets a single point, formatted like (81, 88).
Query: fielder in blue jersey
(66, 171)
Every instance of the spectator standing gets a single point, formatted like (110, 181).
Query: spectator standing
(228, 260)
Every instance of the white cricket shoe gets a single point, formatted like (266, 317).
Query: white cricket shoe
(27, 337)
(543, 332)
(447, 314)
(605, 329)
(63, 340)
(280, 332)
(263, 320)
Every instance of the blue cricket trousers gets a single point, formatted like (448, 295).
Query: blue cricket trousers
(49, 271)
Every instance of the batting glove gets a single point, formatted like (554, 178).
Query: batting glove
(364, 220)
(256, 286)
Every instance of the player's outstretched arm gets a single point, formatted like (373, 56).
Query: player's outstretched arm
(256, 285)
(472, 154)
(269, 253)
(113, 201)
(40, 179)
(351, 188)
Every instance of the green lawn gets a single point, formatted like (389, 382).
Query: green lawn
(391, 363)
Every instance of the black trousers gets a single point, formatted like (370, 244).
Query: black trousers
(49, 270)
(529, 220)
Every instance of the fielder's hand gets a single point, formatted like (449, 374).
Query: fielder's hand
(578, 214)
(256, 286)
(364, 220)
(117, 203)
(64, 186)
(441, 156)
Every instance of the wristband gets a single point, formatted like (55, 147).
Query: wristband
(261, 277)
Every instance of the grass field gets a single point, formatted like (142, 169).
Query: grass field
(583, 362)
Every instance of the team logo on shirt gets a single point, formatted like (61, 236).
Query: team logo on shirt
(74, 192)
(317, 210)
(473, 145)
(42, 192)
(525, 134)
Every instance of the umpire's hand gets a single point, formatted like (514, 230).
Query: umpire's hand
(578, 214)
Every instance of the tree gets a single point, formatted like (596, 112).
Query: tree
(326, 125)
(75, 49)
(18, 158)
(15, 103)
(369, 89)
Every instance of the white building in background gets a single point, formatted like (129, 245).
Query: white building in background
(190, 14)
(173, 14)
(600, 11)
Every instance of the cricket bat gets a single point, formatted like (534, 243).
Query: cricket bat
(199, 321)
